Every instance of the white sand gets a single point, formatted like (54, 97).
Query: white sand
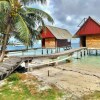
(78, 81)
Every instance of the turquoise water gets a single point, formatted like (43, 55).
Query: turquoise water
(87, 61)
(34, 52)
(10, 47)
(84, 62)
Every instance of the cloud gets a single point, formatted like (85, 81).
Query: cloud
(69, 13)
(75, 9)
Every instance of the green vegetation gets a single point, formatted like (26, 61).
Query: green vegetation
(26, 87)
(19, 20)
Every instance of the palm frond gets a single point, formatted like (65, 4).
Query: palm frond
(22, 30)
(3, 22)
(27, 2)
(31, 24)
(4, 6)
(39, 12)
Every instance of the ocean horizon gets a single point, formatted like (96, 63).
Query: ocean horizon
(36, 45)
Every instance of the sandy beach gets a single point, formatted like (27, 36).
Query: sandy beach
(70, 77)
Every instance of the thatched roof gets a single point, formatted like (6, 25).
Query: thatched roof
(59, 33)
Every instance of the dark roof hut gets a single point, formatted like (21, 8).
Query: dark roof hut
(53, 37)
(89, 34)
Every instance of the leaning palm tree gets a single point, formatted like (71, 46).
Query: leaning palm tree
(21, 21)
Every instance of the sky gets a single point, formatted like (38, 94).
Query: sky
(68, 14)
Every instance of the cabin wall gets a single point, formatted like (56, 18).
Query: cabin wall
(63, 43)
(93, 41)
(50, 42)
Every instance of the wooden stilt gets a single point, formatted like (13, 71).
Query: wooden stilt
(87, 52)
(47, 51)
(35, 52)
(80, 53)
(84, 52)
(27, 65)
(42, 51)
(57, 49)
(48, 73)
(51, 51)
(96, 52)
(22, 53)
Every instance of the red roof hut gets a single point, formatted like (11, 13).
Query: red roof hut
(53, 37)
(89, 34)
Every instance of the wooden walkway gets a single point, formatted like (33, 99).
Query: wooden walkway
(13, 62)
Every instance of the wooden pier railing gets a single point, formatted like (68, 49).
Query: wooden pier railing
(13, 62)
(38, 51)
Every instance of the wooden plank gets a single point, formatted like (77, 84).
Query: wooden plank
(68, 52)
(9, 65)
(2, 69)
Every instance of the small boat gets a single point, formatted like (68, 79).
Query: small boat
(18, 44)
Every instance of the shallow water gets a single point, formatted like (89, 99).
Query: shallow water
(87, 63)
(94, 61)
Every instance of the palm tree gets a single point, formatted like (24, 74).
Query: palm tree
(21, 21)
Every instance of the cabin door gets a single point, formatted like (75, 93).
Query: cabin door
(83, 41)
(43, 43)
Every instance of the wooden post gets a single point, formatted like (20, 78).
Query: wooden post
(84, 52)
(47, 51)
(34, 51)
(96, 52)
(27, 65)
(22, 53)
(55, 50)
(87, 52)
(77, 55)
(80, 53)
(51, 51)
(42, 51)
(59, 49)
(48, 73)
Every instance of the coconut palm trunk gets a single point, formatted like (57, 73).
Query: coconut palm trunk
(4, 45)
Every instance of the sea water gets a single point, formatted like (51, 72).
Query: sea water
(90, 64)
(19, 47)
(34, 52)
(86, 61)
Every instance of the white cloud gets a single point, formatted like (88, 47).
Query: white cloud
(68, 18)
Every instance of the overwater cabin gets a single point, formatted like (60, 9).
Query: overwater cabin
(89, 34)
(53, 37)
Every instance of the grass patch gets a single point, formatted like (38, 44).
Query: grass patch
(13, 77)
(24, 87)
(92, 96)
